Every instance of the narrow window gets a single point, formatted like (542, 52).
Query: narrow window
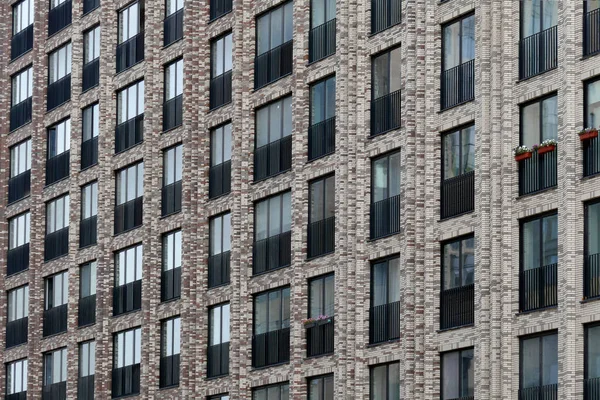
(385, 382)
(171, 266)
(273, 147)
(321, 216)
(271, 341)
(170, 349)
(126, 362)
(172, 180)
(55, 372)
(219, 251)
(87, 294)
(91, 128)
(220, 70)
(89, 212)
(272, 233)
(384, 318)
(218, 340)
(57, 228)
(320, 388)
(458, 374)
(321, 134)
(127, 295)
(173, 106)
(220, 161)
(16, 376)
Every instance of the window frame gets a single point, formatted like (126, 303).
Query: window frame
(137, 268)
(90, 345)
(16, 85)
(93, 266)
(387, 377)
(16, 150)
(89, 196)
(389, 168)
(177, 8)
(169, 256)
(222, 325)
(538, 336)
(269, 13)
(140, 97)
(268, 215)
(57, 54)
(323, 305)
(64, 287)
(459, 131)
(16, 14)
(388, 53)
(460, 370)
(324, 5)
(166, 325)
(54, 133)
(15, 222)
(586, 347)
(20, 298)
(92, 33)
(321, 387)
(281, 386)
(586, 98)
(266, 293)
(220, 130)
(173, 67)
(177, 167)
(460, 240)
(282, 134)
(94, 125)
(137, 348)
(139, 186)
(540, 17)
(52, 204)
(324, 179)
(385, 260)
(212, 234)
(214, 51)
(312, 87)
(23, 364)
(63, 362)
(522, 222)
(539, 101)
(123, 21)
(449, 23)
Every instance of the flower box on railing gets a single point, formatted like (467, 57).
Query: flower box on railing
(588, 133)
(546, 146)
(546, 149)
(523, 156)
(522, 153)
(312, 322)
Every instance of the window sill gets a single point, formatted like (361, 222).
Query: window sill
(384, 132)
(17, 273)
(214, 378)
(20, 126)
(128, 230)
(523, 196)
(320, 355)
(269, 366)
(270, 270)
(307, 259)
(20, 55)
(219, 196)
(162, 217)
(173, 128)
(589, 300)
(18, 200)
(536, 75)
(320, 157)
(456, 215)
(370, 35)
(167, 301)
(126, 313)
(54, 334)
(86, 325)
(129, 148)
(57, 106)
(220, 106)
(210, 21)
(256, 89)
(90, 11)
(456, 105)
(172, 43)
(88, 167)
(370, 240)
(454, 328)
(127, 69)
(55, 258)
(536, 310)
(218, 286)
(87, 246)
(310, 63)
(255, 182)
(90, 88)
(59, 31)
(371, 345)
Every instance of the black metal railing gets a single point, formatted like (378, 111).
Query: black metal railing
(591, 276)
(20, 114)
(538, 172)
(321, 237)
(272, 253)
(91, 75)
(128, 215)
(321, 41)
(89, 152)
(458, 85)
(219, 182)
(17, 396)
(319, 338)
(591, 389)
(321, 139)
(86, 314)
(171, 198)
(17, 259)
(384, 14)
(457, 307)
(170, 284)
(59, 17)
(85, 388)
(88, 231)
(16, 332)
(218, 360)
(19, 186)
(548, 392)
(219, 8)
(384, 322)
(273, 158)
(538, 287)
(21, 43)
(591, 32)
(129, 133)
(130, 52)
(538, 53)
(169, 371)
(273, 64)
(271, 348)
(218, 269)
(220, 90)
(126, 380)
(386, 113)
(59, 92)
(591, 156)
(55, 320)
(127, 297)
(173, 113)
(56, 244)
(173, 27)
(385, 217)
(55, 391)
(90, 5)
(458, 195)
(57, 167)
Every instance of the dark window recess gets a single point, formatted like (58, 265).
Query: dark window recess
(57, 168)
(55, 391)
(88, 231)
(591, 272)
(538, 172)
(271, 348)
(171, 198)
(16, 332)
(319, 338)
(19, 186)
(220, 70)
(127, 297)
(321, 38)
(220, 179)
(170, 284)
(21, 42)
(56, 244)
(170, 287)
(384, 382)
(458, 172)
(273, 158)
(172, 180)
(321, 133)
(91, 74)
(457, 298)
(219, 182)
(20, 114)
(172, 113)
(17, 396)
(273, 64)
(271, 339)
(219, 251)
(385, 92)
(59, 92)
(218, 359)
(321, 222)
(173, 27)
(539, 367)
(218, 341)
(591, 147)
(89, 152)
(85, 388)
(385, 195)
(591, 30)
(384, 314)
(55, 320)
(538, 47)
(458, 375)
(59, 17)
(130, 52)
(384, 14)
(272, 239)
(220, 90)
(17, 259)
(126, 380)
(591, 386)
(320, 328)
(219, 8)
(87, 310)
(458, 70)
(386, 113)
(129, 133)
(170, 350)
(169, 370)
(218, 269)
(90, 5)
(128, 215)
(272, 253)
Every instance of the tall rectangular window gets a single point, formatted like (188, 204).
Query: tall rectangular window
(591, 152)
(220, 161)
(130, 22)
(59, 145)
(321, 309)
(57, 228)
(130, 47)
(321, 216)
(171, 266)
(91, 128)
(130, 194)
(385, 91)
(591, 281)
(592, 358)
(321, 388)
(271, 341)
(538, 47)
(458, 377)
(458, 172)
(173, 23)
(278, 391)
(59, 16)
(539, 365)
(218, 8)
(19, 183)
(16, 377)
(385, 195)
(321, 296)
(172, 185)
(457, 299)
(385, 14)
(273, 142)
(384, 316)
(22, 90)
(591, 25)
(87, 294)
(218, 340)
(89, 211)
(385, 382)
(321, 133)
(59, 76)
(127, 346)
(18, 313)
(219, 251)
(322, 29)
(127, 295)
(22, 28)
(130, 117)
(221, 63)
(458, 62)
(539, 121)
(272, 233)
(55, 305)
(173, 106)
(55, 374)
(170, 349)
(91, 58)
(87, 370)
(18, 243)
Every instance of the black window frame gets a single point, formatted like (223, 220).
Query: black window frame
(23, 364)
(387, 52)
(539, 336)
(539, 100)
(50, 355)
(281, 385)
(282, 325)
(165, 325)
(220, 130)
(323, 306)
(387, 366)
(322, 381)
(460, 371)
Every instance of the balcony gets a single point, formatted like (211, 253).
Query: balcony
(321, 41)
(457, 195)
(218, 269)
(88, 231)
(127, 298)
(17, 259)
(548, 392)
(59, 92)
(457, 307)
(55, 320)
(59, 17)
(129, 133)
(591, 276)
(219, 182)
(173, 113)
(538, 288)
(537, 173)
(273, 158)
(591, 156)
(57, 168)
(20, 114)
(319, 338)
(85, 388)
(591, 389)
(17, 396)
(591, 33)
(126, 381)
(272, 253)
(271, 348)
(171, 199)
(321, 237)
(384, 322)
(384, 14)
(90, 5)
(458, 85)
(173, 28)
(56, 244)
(91, 75)
(273, 64)
(169, 371)
(385, 217)
(538, 53)
(219, 8)
(128, 215)
(170, 284)
(130, 52)
(321, 139)
(89, 153)
(220, 90)
(218, 360)
(21, 43)
(16, 332)
(386, 113)
(19, 186)
(87, 311)
(55, 391)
